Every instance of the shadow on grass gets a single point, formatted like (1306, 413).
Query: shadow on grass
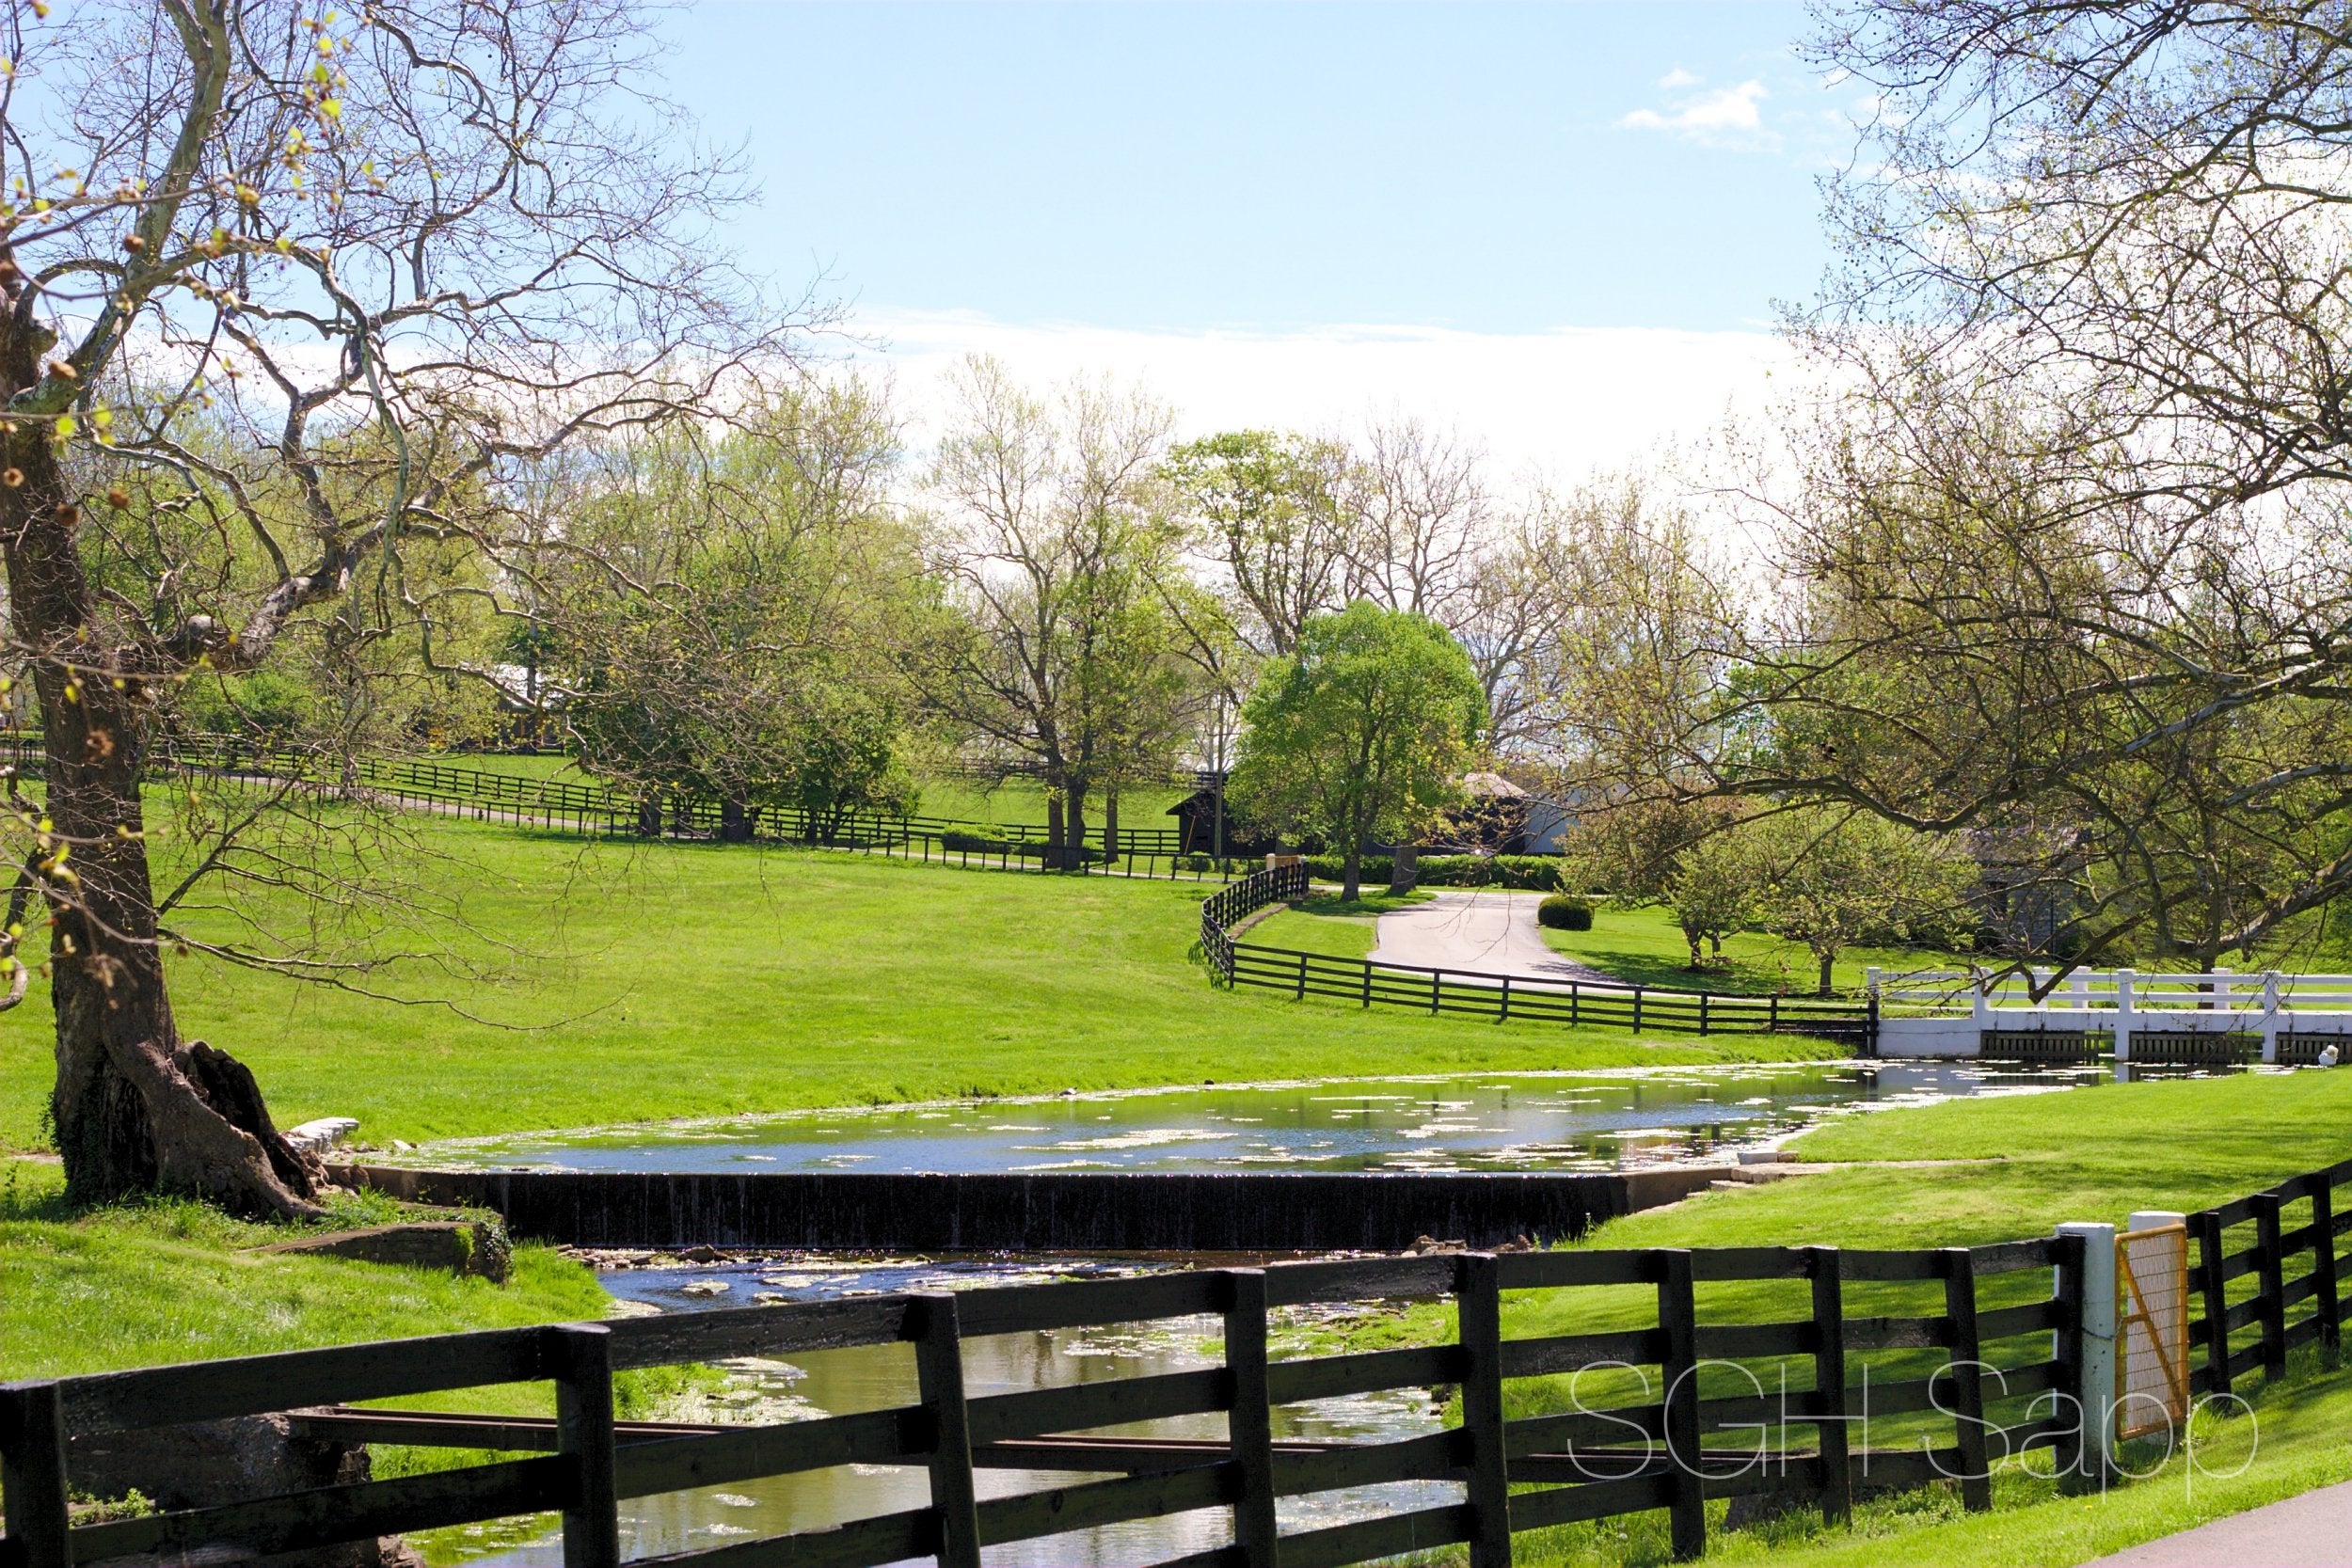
(1370, 903)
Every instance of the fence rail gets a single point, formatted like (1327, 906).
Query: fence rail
(1660, 1445)
(600, 810)
(1501, 997)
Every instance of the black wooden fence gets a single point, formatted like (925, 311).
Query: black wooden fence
(1980, 1345)
(594, 809)
(1502, 997)
(2252, 1312)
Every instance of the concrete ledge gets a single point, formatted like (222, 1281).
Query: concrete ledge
(1053, 1212)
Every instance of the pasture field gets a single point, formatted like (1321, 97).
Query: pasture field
(623, 981)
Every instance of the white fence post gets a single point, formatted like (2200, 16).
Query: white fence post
(2272, 999)
(1979, 997)
(2097, 1388)
(2122, 1015)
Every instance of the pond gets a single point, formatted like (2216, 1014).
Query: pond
(1534, 1121)
(1584, 1122)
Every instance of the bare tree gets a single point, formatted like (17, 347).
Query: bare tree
(1055, 552)
(389, 255)
(1417, 510)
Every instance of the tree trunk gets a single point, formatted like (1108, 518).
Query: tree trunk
(137, 1108)
(1693, 938)
(1827, 959)
(1053, 829)
(735, 821)
(1110, 825)
(1351, 874)
(1404, 868)
(1075, 850)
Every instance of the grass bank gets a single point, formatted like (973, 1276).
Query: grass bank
(1643, 946)
(1965, 1173)
(625, 982)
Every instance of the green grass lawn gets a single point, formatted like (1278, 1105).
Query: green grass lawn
(1968, 1172)
(1337, 927)
(1643, 946)
(1022, 801)
(649, 981)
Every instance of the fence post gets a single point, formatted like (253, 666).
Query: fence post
(1503, 1014)
(2209, 1259)
(1702, 1013)
(2085, 1346)
(1367, 982)
(2328, 1313)
(1477, 1315)
(32, 1471)
(1250, 1424)
(939, 1377)
(1637, 1010)
(1967, 1370)
(1437, 977)
(2271, 1267)
(1572, 1004)
(1302, 977)
(1678, 1324)
(582, 1357)
(2122, 1015)
(1829, 1382)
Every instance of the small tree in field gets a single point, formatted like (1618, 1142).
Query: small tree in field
(1361, 731)
(1836, 879)
(1716, 889)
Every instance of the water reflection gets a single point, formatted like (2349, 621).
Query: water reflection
(1520, 1121)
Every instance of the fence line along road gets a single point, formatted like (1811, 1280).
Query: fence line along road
(1501, 997)
(1956, 1354)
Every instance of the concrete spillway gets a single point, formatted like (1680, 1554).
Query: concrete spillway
(1044, 1211)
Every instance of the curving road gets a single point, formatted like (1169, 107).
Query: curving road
(1486, 930)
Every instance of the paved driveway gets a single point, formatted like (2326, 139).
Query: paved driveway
(1484, 930)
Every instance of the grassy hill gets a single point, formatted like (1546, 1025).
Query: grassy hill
(625, 981)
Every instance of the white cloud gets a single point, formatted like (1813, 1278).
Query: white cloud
(1721, 117)
(1676, 79)
(1560, 403)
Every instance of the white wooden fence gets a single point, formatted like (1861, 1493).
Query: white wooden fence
(1948, 1013)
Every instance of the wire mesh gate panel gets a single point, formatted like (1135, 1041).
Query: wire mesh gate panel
(2151, 1371)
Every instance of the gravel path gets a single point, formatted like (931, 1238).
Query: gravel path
(1483, 931)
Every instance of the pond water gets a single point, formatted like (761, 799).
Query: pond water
(1490, 1121)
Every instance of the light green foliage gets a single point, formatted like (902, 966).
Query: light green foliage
(1266, 507)
(746, 656)
(1715, 889)
(1834, 877)
(1641, 943)
(1362, 732)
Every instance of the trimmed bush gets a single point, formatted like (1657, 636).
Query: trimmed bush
(1565, 912)
(1528, 873)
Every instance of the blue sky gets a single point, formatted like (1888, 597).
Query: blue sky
(1181, 174)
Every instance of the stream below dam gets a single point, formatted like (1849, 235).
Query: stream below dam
(1499, 1122)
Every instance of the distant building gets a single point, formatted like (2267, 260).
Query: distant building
(1196, 826)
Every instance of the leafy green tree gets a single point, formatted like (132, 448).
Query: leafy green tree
(1836, 877)
(752, 665)
(1362, 732)
(1717, 886)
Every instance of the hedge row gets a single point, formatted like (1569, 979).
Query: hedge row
(1531, 873)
